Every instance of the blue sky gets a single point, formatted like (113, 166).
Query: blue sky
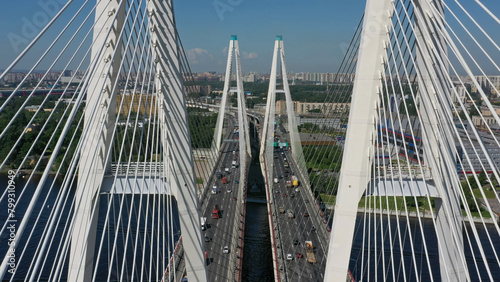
(315, 32)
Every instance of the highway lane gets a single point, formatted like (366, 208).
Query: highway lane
(317, 215)
(221, 231)
(299, 228)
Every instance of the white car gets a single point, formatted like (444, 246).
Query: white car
(214, 189)
(229, 190)
(289, 257)
(225, 250)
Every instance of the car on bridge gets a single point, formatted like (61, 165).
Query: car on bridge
(216, 212)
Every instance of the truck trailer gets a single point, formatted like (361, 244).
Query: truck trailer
(311, 258)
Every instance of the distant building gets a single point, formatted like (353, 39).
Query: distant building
(323, 123)
(71, 76)
(461, 94)
(305, 108)
(206, 76)
(260, 107)
(135, 103)
(487, 118)
(252, 77)
(489, 83)
(203, 89)
(32, 108)
(326, 78)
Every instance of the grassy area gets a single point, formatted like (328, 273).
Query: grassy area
(328, 199)
(390, 202)
(386, 202)
(485, 214)
(396, 203)
(490, 194)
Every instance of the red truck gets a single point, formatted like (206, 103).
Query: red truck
(216, 212)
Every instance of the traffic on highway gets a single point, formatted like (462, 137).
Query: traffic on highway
(219, 214)
(299, 246)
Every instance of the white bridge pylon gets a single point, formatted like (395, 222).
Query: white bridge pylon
(356, 174)
(268, 135)
(241, 114)
(270, 126)
(175, 158)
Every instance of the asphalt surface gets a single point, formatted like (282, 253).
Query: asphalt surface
(220, 231)
(300, 228)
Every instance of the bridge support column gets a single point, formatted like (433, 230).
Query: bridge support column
(266, 153)
(357, 159)
(439, 150)
(295, 143)
(222, 110)
(99, 121)
(177, 154)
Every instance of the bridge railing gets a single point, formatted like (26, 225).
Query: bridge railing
(175, 263)
(404, 172)
(135, 167)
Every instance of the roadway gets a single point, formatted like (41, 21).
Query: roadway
(293, 232)
(220, 232)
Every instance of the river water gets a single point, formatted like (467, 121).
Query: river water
(257, 256)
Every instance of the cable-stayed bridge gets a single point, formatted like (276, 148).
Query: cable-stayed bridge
(126, 175)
